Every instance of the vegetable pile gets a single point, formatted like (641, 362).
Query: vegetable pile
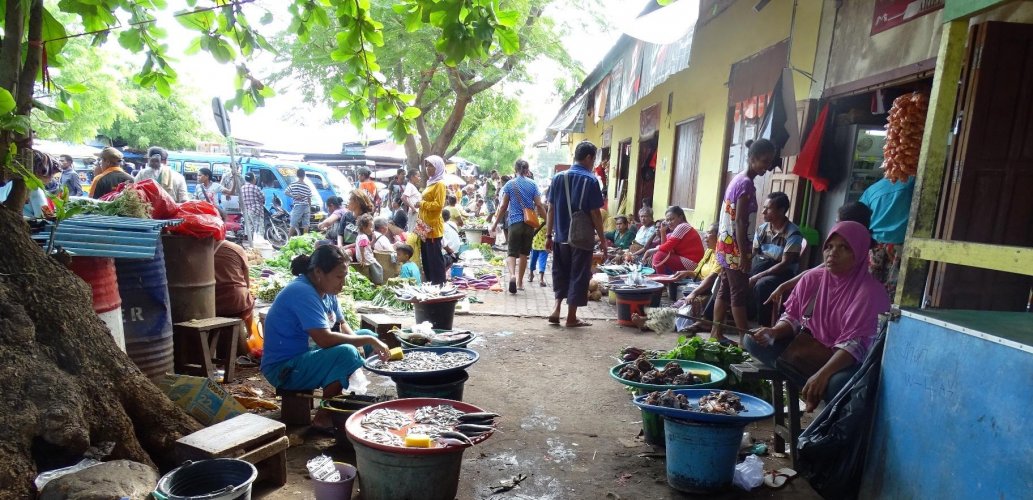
(128, 203)
(387, 295)
(707, 351)
(298, 245)
(904, 136)
(359, 287)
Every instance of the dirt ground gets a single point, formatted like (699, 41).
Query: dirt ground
(566, 424)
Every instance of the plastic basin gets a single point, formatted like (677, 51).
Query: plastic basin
(717, 376)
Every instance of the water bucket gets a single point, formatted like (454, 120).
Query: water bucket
(653, 429)
(440, 314)
(190, 270)
(146, 316)
(701, 456)
(215, 479)
(445, 387)
(401, 476)
(457, 271)
(474, 236)
(628, 304)
(99, 273)
(340, 490)
(340, 410)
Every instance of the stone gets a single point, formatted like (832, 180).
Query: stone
(107, 481)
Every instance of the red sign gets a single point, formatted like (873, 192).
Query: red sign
(892, 13)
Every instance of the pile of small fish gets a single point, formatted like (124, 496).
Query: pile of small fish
(384, 419)
(724, 402)
(443, 423)
(384, 437)
(424, 292)
(423, 361)
(441, 415)
(721, 403)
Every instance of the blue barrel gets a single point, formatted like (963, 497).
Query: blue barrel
(146, 318)
(701, 456)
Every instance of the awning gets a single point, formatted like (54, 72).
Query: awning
(571, 118)
(667, 24)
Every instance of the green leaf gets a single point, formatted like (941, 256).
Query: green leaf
(266, 18)
(411, 113)
(508, 18)
(198, 21)
(508, 40)
(53, 30)
(18, 123)
(194, 47)
(76, 88)
(340, 93)
(7, 103)
(57, 114)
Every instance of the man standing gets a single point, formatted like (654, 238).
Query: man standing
(302, 209)
(572, 267)
(158, 169)
(777, 246)
(109, 173)
(69, 177)
(207, 189)
(252, 202)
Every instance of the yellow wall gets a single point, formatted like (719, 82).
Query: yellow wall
(701, 89)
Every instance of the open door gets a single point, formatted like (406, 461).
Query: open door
(991, 176)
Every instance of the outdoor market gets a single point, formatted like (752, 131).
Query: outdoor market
(752, 249)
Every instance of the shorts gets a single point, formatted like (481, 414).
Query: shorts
(318, 367)
(571, 274)
(300, 214)
(734, 286)
(519, 238)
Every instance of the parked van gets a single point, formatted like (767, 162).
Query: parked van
(274, 175)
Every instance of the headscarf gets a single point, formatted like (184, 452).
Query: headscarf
(845, 307)
(439, 169)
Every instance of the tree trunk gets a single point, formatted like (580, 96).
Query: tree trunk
(67, 386)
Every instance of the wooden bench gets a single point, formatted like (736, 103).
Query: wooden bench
(296, 406)
(201, 345)
(785, 431)
(382, 324)
(257, 440)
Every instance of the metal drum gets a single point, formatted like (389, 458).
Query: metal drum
(145, 313)
(99, 273)
(190, 269)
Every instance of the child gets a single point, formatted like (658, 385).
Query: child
(363, 243)
(409, 269)
(539, 257)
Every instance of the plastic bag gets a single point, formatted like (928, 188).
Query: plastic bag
(162, 205)
(358, 383)
(833, 448)
(749, 474)
(200, 220)
(50, 475)
(322, 468)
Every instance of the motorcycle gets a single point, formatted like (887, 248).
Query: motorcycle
(277, 225)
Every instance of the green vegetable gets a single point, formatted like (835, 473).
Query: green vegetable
(269, 288)
(359, 286)
(486, 251)
(298, 245)
(348, 308)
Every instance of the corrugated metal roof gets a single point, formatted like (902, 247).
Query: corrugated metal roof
(106, 236)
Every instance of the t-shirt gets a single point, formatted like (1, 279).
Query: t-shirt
(521, 191)
(70, 179)
(891, 206)
(300, 192)
(644, 234)
(728, 252)
(232, 295)
(621, 240)
(297, 309)
(382, 243)
(213, 194)
(409, 270)
(584, 193)
(770, 245)
(451, 238)
(109, 182)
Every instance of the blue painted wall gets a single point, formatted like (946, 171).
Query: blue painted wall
(953, 418)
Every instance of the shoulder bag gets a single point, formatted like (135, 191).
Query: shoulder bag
(804, 355)
(581, 234)
(530, 214)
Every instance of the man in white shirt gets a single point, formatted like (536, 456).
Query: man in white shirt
(450, 240)
(158, 169)
(410, 197)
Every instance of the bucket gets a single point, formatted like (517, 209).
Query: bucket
(400, 476)
(340, 410)
(146, 317)
(99, 273)
(474, 236)
(457, 271)
(653, 429)
(190, 270)
(340, 490)
(628, 304)
(445, 387)
(215, 479)
(701, 456)
(440, 314)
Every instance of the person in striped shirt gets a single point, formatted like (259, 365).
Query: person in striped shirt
(302, 209)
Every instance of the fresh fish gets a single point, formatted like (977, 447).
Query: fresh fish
(384, 419)
(455, 435)
(484, 415)
(453, 442)
(422, 361)
(466, 428)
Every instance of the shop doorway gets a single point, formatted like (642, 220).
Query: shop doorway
(986, 189)
(688, 137)
(646, 179)
(623, 167)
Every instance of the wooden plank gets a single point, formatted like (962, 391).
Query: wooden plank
(1009, 259)
(236, 434)
(932, 160)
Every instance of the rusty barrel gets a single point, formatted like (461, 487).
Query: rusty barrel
(146, 317)
(99, 273)
(190, 269)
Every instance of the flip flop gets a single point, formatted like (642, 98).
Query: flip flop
(542, 284)
(579, 323)
(512, 286)
(554, 320)
(246, 362)
(777, 479)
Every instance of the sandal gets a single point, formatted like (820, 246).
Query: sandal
(512, 286)
(777, 479)
(542, 284)
(245, 361)
(578, 324)
(554, 320)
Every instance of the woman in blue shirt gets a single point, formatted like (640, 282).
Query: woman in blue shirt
(307, 311)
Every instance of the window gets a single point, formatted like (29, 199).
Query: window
(688, 137)
(266, 179)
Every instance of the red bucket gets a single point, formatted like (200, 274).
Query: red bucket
(99, 273)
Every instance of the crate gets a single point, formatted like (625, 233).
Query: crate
(257, 440)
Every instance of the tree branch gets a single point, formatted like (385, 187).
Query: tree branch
(426, 78)
(10, 52)
(421, 127)
(462, 141)
(33, 58)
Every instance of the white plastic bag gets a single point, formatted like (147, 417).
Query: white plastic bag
(749, 474)
(357, 382)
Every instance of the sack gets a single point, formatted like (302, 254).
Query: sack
(531, 218)
(581, 234)
(376, 273)
(804, 356)
(200, 220)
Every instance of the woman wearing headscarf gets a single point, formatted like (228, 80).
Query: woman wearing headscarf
(846, 303)
(431, 226)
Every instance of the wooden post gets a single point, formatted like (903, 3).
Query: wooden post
(933, 159)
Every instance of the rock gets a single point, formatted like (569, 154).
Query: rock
(110, 480)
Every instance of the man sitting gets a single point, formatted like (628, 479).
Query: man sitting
(645, 237)
(623, 236)
(777, 245)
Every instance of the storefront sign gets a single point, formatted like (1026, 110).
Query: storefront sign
(892, 13)
(607, 137)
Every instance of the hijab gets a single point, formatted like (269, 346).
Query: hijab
(439, 169)
(846, 307)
